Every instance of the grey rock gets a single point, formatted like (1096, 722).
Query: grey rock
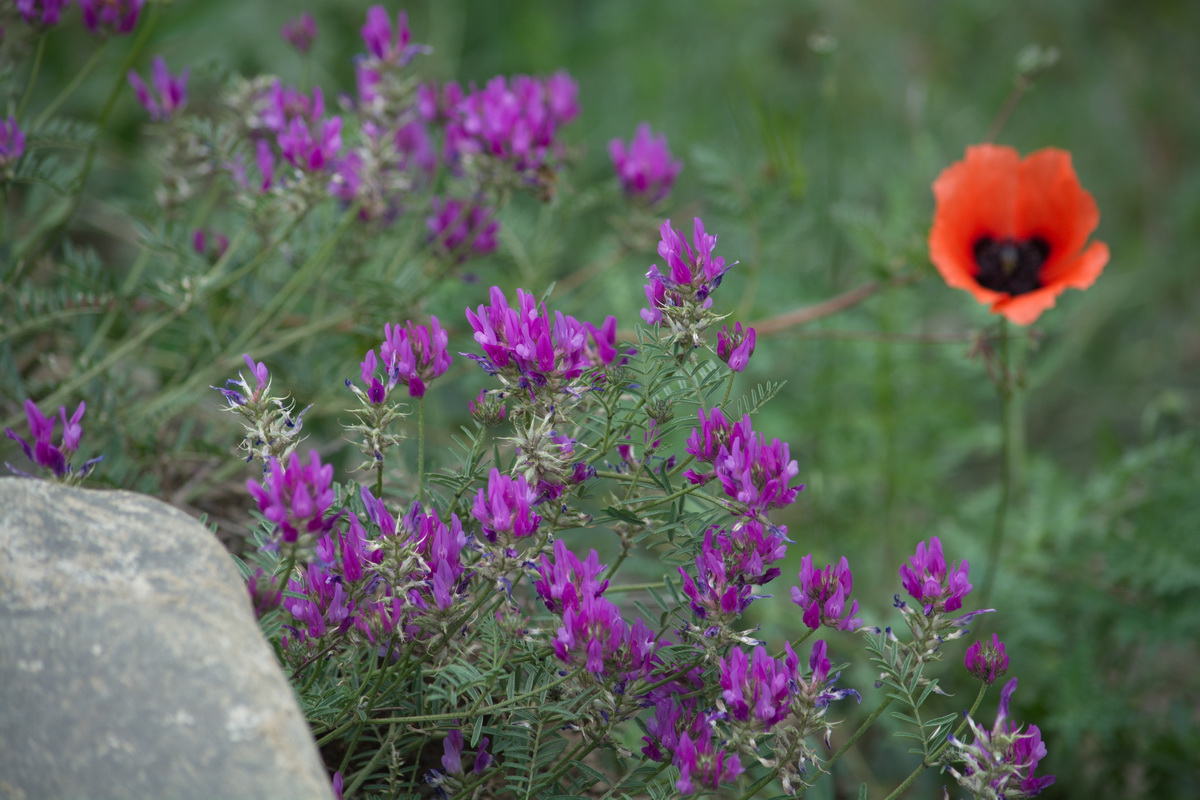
(131, 665)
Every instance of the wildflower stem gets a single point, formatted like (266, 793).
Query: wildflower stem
(854, 737)
(70, 88)
(33, 75)
(759, 784)
(1006, 384)
(365, 772)
(661, 768)
(420, 449)
(962, 726)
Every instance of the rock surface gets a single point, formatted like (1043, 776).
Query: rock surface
(131, 665)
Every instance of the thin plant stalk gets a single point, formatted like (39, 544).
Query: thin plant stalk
(1011, 455)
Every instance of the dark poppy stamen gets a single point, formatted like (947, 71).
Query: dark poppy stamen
(1012, 266)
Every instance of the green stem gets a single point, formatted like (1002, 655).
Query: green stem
(421, 449)
(564, 764)
(1010, 452)
(854, 737)
(70, 88)
(759, 784)
(33, 75)
(365, 772)
(661, 768)
(301, 279)
(933, 757)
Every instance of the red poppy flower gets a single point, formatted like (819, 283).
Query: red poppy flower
(1012, 231)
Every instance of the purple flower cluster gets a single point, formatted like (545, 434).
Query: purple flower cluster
(1001, 762)
(504, 510)
(171, 90)
(679, 296)
(301, 32)
(987, 662)
(730, 564)
(296, 497)
(511, 121)
(460, 229)
(591, 623)
(415, 354)
(412, 355)
(927, 578)
(823, 594)
(452, 758)
(735, 348)
(42, 12)
(528, 349)
(12, 142)
(758, 687)
(755, 475)
(44, 452)
(685, 733)
(378, 587)
(111, 16)
(386, 44)
(201, 242)
(644, 166)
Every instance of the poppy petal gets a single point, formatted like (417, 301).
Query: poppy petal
(999, 216)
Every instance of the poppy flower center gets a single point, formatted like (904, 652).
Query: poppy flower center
(1012, 266)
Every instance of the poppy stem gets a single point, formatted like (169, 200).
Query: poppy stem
(1012, 446)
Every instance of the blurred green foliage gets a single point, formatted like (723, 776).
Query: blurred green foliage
(811, 132)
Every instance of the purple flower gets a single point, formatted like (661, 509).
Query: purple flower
(280, 104)
(301, 32)
(43, 451)
(459, 229)
(716, 432)
(566, 579)
(111, 16)
(512, 121)
(823, 594)
(591, 624)
(702, 761)
(682, 294)
(504, 508)
(482, 757)
(758, 687)
(12, 142)
(818, 691)
(171, 90)
(720, 593)
(242, 394)
(265, 593)
(441, 546)
(452, 752)
(42, 12)
(594, 627)
(296, 497)
(735, 348)
(987, 662)
(200, 242)
(1001, 762)
(644, 168)
(756, 475)
(529, 349)
(928, 580)
(311, 146)
(414, 355)
(393, 46)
